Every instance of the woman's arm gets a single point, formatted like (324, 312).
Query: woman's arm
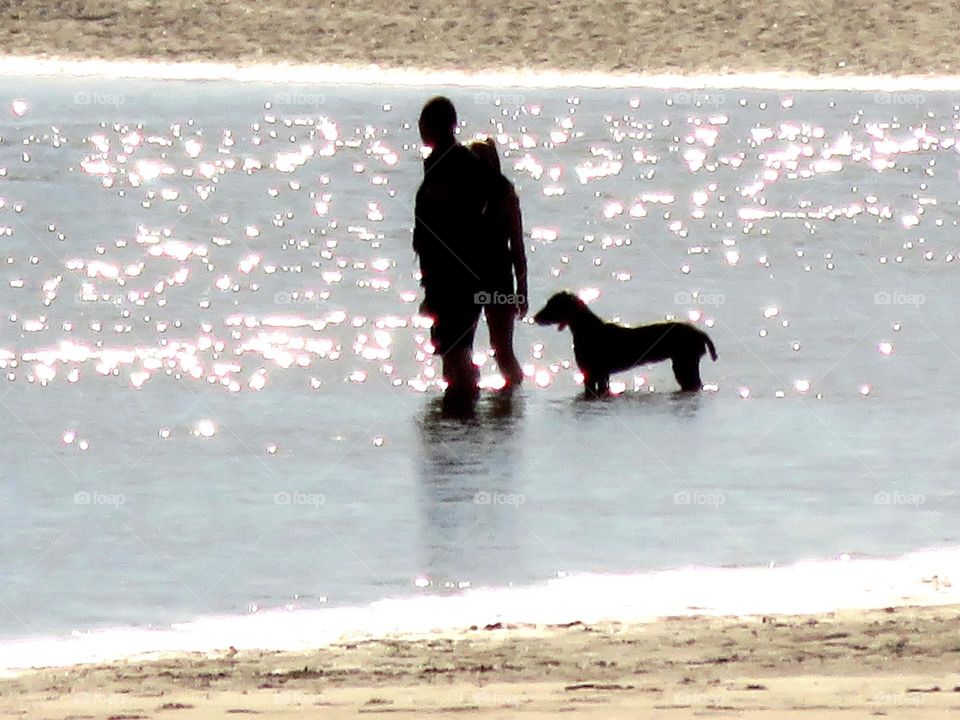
(518, 254)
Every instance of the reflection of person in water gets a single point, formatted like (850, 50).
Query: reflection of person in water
(502, 260)
(446, 238)
(466, 457)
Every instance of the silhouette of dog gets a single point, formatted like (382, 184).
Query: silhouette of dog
(602, 348)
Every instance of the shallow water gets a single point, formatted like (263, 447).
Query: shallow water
(218, 401)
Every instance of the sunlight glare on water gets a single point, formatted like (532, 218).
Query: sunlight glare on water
(211, 310)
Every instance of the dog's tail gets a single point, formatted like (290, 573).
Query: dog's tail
(709, 343)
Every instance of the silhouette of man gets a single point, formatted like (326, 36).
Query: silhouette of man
(447, 237)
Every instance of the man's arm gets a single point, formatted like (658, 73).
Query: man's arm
(420, 236)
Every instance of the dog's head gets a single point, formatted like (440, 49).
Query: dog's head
(560, 310)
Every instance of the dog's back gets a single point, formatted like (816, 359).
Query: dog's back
(615, 348)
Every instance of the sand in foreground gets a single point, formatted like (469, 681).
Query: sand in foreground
(904, 663)
(892, 37)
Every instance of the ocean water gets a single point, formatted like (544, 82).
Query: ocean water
(218, 402)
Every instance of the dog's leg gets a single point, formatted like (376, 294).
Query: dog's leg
(589, 385)
(594, 385)
(687, 372)
(603, 385)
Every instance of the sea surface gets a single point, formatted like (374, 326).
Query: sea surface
(218, 400)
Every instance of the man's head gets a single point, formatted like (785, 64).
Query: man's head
(438, 121)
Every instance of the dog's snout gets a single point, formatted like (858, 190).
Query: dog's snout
(559, 310)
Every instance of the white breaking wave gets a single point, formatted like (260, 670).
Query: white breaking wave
(506, 77)
(924, 578)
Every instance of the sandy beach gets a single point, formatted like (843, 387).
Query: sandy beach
(689, 37)
(896, 662)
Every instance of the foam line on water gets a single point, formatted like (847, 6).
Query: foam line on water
(19, 66)
(922, 578)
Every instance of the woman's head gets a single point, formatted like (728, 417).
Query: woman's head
(486, 150)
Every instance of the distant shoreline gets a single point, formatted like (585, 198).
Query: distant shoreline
(283, 73)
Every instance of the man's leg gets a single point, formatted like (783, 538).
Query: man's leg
(459, 370)
(456, 329)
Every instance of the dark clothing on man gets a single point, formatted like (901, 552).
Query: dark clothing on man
(447, 237)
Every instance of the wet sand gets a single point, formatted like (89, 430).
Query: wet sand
(689, 37)
(856, 664)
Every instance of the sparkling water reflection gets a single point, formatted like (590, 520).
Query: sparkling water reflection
(219, 397)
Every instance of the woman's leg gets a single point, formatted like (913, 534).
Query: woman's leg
(500, 319)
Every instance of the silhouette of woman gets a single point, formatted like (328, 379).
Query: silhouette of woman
(502, 261)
